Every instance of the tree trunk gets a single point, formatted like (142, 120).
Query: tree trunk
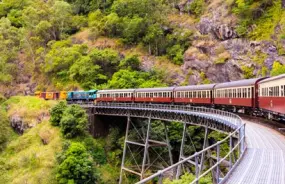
(283, 3)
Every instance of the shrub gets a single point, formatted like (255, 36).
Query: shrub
(74, 121)
(77, 166)
(247, 72)
(277, 69)
(196, 7)
(96, 150)
(5, 130)
(56, 113)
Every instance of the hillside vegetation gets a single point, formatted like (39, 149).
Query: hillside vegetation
(30, 158)
(63, 45)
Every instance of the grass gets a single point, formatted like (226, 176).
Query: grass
(30, 158)
(27, 160)
(30, 109)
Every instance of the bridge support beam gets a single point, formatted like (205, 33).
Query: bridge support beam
(141, 144)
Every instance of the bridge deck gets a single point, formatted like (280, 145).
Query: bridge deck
(264, 160)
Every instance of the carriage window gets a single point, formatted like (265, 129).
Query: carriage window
(248, 93)
(270, 91)
(238, 93)
(278, 91)
(283, 90)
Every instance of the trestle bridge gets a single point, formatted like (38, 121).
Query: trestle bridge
(255, 154)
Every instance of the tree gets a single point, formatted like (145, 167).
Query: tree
(154, 37)
(134, 29)
(131, 62)
(124, 79)
(277, 69)
(108, 59)
(56, 113)
(74, 121)
(86, 73)
(76, 167)
(10, 45)
(61, 56)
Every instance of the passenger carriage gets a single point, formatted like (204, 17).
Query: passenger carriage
(242, 94)
(154, 95)
(272, 97)
(118, 95)
(198, 94)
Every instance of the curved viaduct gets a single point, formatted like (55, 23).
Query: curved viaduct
(208, 118)
(236, 159)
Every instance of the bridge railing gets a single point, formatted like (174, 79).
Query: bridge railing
(160, 175)
(229, 117)
(238, 148)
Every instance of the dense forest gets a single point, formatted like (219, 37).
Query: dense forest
(85, 44)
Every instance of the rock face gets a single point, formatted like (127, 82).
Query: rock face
(218, 53)
(19, 124)
(224, 32)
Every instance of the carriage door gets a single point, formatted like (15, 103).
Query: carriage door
(254, 97)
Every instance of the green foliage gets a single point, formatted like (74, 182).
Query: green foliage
(61, 57)
(247, 72)
(277, 69)
(177, 43)
(134, 29)
(76, 167)
(130, 62)
(86, 73)
(56, 113)
(124, 79)
(257, 18)
(74, 121)
(176, 52)
(95, 149)
(197, 7)
(5, 129)
(264, 71)
(86, 6)
(204, 78)
(27, 158)
(10, 45)
(187, 178)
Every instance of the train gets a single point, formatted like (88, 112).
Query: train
(259, 96)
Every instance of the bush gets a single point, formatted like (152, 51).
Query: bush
(74, 121)
(96, 150)
(247, 72)
(76, 167)
(5, 130)
(277, 69)
(56, 113)
(196, 7)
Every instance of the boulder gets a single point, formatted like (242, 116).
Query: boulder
(224, 32)
(205, 26)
